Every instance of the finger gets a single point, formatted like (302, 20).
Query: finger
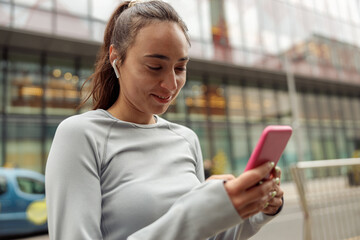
(253, 176)
(277, 172)
(252, 209)
(254, 194)
(226, 177)
(273, 206)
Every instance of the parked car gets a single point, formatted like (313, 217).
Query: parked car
(22, 202)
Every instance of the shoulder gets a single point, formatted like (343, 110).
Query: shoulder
(94, 121)
(183, 131)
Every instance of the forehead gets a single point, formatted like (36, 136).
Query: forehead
(162, 38)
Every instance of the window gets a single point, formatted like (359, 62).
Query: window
(23, 146)
(239, 147)
(235, 103)
(78, 7)
(3, 185)
(62, 86)
(5, 13)
(72, 27)
(269, 106)
(195, 99)
(45, 4)
(24, 87)
(252, 104)
(33, 19)
(29, 185)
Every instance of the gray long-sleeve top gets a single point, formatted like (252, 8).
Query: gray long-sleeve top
(114, 180)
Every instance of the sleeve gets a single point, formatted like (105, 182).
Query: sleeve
(196, 217)
(72, 185)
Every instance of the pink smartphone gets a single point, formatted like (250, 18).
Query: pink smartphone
(270, 146)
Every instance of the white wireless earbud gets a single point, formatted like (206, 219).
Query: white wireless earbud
(115, 68)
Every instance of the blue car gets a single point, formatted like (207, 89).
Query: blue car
(22, 202)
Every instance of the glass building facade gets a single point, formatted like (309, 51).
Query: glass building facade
(254, 63)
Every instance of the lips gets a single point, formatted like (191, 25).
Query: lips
(162, 99)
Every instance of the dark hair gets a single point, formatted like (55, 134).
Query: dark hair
(121, 30)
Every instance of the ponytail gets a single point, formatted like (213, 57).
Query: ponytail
(104, 83)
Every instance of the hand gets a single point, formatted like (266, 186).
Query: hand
(247, 196)
(274, 204)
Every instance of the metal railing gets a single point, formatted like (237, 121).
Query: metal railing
(329, 193)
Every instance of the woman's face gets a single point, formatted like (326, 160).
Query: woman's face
(154, 70)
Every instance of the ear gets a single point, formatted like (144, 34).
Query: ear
(113, 59)
(112, 54)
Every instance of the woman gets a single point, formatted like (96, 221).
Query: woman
(122, 172)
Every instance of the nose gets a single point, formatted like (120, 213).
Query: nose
(169, 82)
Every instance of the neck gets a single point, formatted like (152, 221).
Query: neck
(122, 113)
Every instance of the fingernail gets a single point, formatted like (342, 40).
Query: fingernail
(271, 164)
(272, 194)
(266, 205)
(277, 169)
(276, 181)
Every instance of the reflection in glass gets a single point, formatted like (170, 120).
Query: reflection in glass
(102, 10)
(62, 93)
(215, 95)
(311, 109)
(98, 29)
(190, 13)
(269, 106)
(234, 23)
(177, 110)
(72, 27)
(316, 144)
(255, 133)
(1, 142)
(355, 108)
(251, 24)
(336, 113)
(78, 7)
(24, 87)
(44, 4)
(23, 146)
(195, 99)
(235, 103)
(85, 72)
(2, 102)
(324, 113)
(5, 14)
(346, 111)
(252, 104)
(50, 129)
(222, 158)
(30, 185)
(240, 148)
(33, 19)
(329, 144)
(341, 142)
(201, 130)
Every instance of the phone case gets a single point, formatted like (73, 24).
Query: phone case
(270, 146)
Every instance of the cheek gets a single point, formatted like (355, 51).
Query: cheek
(181, 82)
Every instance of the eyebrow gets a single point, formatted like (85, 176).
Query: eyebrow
(163, 57)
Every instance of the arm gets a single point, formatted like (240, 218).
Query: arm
(208, 210)
(73, 192)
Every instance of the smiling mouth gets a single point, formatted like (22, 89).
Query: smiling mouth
(161, 98)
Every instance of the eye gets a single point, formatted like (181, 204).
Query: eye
(154, 68)
(180, 69)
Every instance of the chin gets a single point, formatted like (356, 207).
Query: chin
(160, 111)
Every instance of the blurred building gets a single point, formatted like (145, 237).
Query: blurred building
(253, 63)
